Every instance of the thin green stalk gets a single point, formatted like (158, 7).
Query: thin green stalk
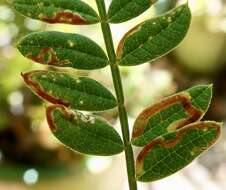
(119, 93)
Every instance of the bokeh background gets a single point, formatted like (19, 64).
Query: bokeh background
(32, 159)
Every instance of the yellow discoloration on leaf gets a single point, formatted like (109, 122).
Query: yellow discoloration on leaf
(139, 168)
(44, 76)
(64, 62)
(70, 43)
(169, 19)
(41, 15)
(78, 81)
(41, 4)
(174, 126)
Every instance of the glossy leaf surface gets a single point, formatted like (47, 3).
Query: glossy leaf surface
(154, 38)
(57, 11)
(171, 113)
(83, 133)
(173, 151)
(80, 93)
(63, 50)
(123, 10)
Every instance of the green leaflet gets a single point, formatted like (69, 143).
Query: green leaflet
(80, 93)
(63, 50)
(173, 151)
(171, 113)
(85, 134)
(154, 38)
(57, 11)
(171, 133)
(123, 10)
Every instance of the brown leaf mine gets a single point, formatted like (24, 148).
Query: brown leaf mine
(65, 17)
(183, 98)
(172, 142)
(122, 41)
(36, 87)
(49, 115)
(46, 56)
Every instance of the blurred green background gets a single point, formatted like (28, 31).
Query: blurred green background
(31, 158)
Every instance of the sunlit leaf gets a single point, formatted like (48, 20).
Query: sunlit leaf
(173, 151)
(123, 10)
(83, 133)
(57, 11)
(63, 50)
(80, 93)
(154, 38)
(171, 113)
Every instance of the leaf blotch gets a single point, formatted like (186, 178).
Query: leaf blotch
(49, 115)
(64, 17)
(183, 98)
(35, 86)
(176, 138)
(122, 41)
(45, 56)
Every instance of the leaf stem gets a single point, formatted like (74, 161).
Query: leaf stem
(119, 93)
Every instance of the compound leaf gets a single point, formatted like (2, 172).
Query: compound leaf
(173, 151)
(171, 113)
(57, 11)
(123, 10)
(63, 50)
(154, 38)
(80, 93)
(83, 133)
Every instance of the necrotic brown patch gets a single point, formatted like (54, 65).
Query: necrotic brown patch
(45, 56)
(39, 90)
(179, 135)
(125, 37)
(183, 98)
(65, 17)
(49, 115)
